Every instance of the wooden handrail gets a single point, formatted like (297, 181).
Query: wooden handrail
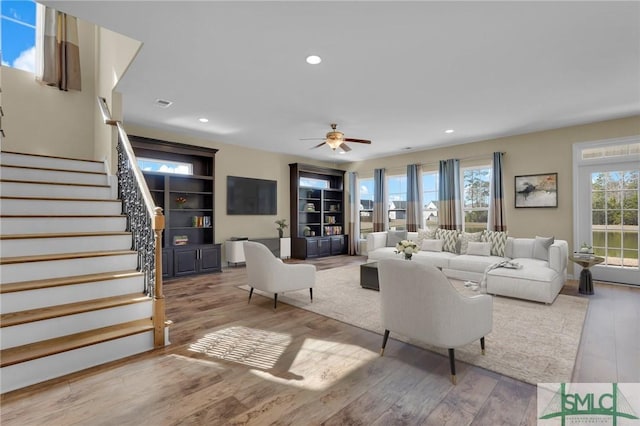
(157, 224)
(146, 194)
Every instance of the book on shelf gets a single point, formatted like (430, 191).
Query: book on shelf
(332, 230)
(180, 240)
(201, 221)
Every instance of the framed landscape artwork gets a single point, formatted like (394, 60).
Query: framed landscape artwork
(536, 190)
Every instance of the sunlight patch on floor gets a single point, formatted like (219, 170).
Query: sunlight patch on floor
(320, 364)
(249, 346)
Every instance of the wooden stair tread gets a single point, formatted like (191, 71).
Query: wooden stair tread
(79, 216)
(57, 282)
(57, 345)
(50, 169)
(62, 256)
(31, 182)
(40, 314)
(11, 197)
(63, 235)
(52, 156)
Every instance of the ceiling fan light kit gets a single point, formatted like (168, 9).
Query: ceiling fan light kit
(336, 139)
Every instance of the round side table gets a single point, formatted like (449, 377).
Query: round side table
(586, 280)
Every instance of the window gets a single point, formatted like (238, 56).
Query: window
(165, 166)
(430, 199)
(475, 197)
(366, 207)
(397, 208)
(308, 182)
(18, 34)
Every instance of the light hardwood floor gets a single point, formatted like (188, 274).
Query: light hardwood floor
(301, 368)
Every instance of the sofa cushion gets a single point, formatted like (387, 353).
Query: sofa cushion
(450, 237)
(394, 237)
(541, 247)
(432, 245)
(498, 241)
(479, 249)
(467, 237)
(532, 269)
(471, 263)
(439, 259)
(425, 234)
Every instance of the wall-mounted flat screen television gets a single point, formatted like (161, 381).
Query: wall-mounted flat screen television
(248, 196)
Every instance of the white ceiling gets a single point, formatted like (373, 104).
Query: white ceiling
(398, 73)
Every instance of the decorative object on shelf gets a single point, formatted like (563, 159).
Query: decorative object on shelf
(536, 190)
(333, 208)
(181, 201)
(310, 207)
(306, 231)
(282, 224)
(180, 240)
(407, 248)
(586, 248)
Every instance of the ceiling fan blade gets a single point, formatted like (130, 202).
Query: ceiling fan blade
(357, 140)
(343, 146)
(311, 139)
(319, 145)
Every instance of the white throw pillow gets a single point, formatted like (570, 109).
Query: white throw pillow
(432, 245)
(479, 249)
(425, 234)
(541, 247)
(466, 237)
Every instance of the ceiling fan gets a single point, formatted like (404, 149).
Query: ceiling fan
(336, 139)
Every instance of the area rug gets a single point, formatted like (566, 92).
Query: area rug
(530, 341)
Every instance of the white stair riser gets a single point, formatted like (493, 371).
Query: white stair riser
(24, 334)
(59, 207)
(49, 162)
(53, 176)
(35, 299)
(37, 225)
(20, 189)
(39, 370)
(12, 273)
(43, 246)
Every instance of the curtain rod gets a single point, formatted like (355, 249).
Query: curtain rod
(433, 163)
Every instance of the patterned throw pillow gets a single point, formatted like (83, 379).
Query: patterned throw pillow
(498, 241)
(450, 237)
(466, 238)
(425, 234)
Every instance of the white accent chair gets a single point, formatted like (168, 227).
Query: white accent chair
(419, 302)
(269, 274)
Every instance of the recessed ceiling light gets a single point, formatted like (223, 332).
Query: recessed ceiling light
(449, 131)
(341, 152)
(314, 60)
(203, 120)
(163, 103)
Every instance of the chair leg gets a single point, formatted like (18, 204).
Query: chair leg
(311, 294)
(452, 365)
(384, 341)
(482, 344)
(250, 294)
(275, 300)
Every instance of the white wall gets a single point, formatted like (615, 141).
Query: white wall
(44, 120)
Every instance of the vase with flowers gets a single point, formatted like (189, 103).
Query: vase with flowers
(282, 224)
(407, 248)
(181, 201)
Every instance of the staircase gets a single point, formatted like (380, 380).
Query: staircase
(70, 295)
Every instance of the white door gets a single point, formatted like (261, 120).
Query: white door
(606, 210)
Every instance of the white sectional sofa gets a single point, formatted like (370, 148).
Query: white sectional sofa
(536, 279)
